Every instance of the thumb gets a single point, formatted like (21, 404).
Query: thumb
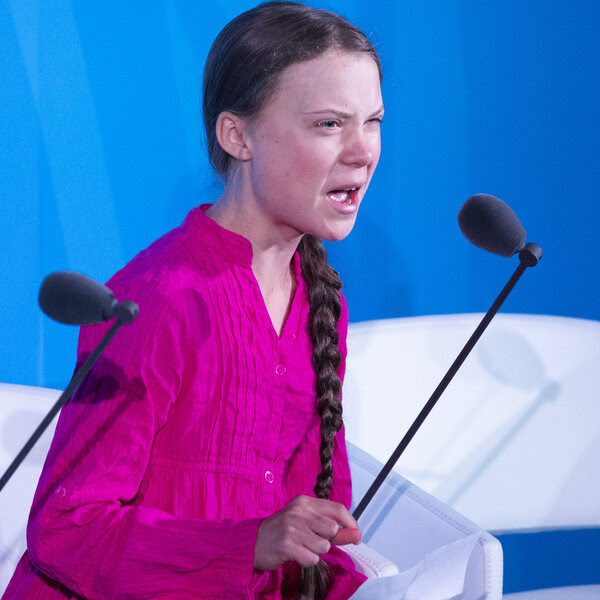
(347, 535)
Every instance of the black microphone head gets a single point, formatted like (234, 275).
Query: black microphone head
(76, 299)
(491, 225)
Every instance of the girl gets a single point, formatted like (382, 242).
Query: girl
(204, 456)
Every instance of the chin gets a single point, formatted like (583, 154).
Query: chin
(337, 234)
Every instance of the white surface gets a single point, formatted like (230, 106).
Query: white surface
(576, 592)
(369, 562)
(435, 548)
(515, 439)
(22, 408)
(441, 575)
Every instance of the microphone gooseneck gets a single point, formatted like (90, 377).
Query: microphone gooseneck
(490, 224)
(75, 299)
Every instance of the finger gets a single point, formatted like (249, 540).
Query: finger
(324, 526)
(326, 519)
(330, 508)
(322, 517)
(340, 513)
(347, 535)
(304, 539)
(304, 557)
(314, 543)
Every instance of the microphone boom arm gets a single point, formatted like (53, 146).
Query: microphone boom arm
(126, 313)
(528, 257)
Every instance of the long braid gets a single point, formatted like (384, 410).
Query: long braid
(324, 312)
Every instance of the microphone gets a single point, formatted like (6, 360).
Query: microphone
(76, 299)
(490, 224)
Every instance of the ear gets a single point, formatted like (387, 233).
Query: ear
(231, 133)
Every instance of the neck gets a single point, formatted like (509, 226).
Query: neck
(272, 252)
(272, 248)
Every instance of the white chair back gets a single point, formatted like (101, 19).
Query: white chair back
(514, 441)
(22, 408)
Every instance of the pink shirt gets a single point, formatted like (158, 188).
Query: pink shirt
(198, 421)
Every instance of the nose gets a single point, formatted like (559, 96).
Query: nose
(360, 148)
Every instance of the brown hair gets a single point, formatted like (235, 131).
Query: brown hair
(248, 56)
(241, 74)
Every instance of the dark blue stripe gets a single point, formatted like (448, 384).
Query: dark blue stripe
(541, 559)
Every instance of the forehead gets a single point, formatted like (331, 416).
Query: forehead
(336, 77)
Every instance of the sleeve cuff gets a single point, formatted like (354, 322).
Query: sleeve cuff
(243, 578)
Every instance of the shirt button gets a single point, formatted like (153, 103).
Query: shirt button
(60, 491)
(280, 369)
(269, 477)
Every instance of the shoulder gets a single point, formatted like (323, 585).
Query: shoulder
(162, 266)
(167, 283)
(183, 260)
(171, 268)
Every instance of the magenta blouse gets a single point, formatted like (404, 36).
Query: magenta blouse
(197, 422)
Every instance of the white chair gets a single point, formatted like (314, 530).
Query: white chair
(409, 526)
(22, 408)
(514, 442)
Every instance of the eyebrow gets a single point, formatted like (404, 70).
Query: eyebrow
(340, 113)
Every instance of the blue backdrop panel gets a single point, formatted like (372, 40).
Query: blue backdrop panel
(102, 151)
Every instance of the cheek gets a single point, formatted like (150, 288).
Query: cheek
(317, 156)
(299, 162)
(290, 162)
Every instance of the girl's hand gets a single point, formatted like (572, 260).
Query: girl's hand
(302, 531)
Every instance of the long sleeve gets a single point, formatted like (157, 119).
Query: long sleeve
(86, 531)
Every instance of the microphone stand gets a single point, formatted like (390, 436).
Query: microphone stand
(126, 312)
(528, 257)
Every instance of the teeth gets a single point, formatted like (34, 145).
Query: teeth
(342, 196)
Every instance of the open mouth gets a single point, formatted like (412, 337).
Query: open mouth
(346, 196)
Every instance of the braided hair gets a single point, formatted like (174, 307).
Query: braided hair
(241, 74)
(324, 286)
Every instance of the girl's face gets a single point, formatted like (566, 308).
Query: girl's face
(315, 145)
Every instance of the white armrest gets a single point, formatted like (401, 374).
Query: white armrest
(406, 524)
(369, 562)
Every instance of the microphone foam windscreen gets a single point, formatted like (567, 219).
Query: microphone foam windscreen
(491, 225)
(76, 299)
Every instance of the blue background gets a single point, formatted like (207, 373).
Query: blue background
(101, 151)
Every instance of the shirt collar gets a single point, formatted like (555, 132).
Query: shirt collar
(204, 231)
(231, 246)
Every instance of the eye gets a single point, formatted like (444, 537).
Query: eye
(328, 124)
